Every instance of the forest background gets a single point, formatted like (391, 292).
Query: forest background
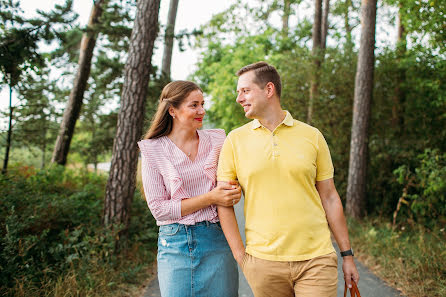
(57, 233)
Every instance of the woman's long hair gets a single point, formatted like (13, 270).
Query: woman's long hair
(173, 94)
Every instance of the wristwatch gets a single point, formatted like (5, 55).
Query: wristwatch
(347, 253)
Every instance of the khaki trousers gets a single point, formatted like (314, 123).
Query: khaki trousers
(317, 277)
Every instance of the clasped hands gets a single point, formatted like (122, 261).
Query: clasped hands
(226, 193)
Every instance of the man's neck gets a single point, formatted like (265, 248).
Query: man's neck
(273, 118)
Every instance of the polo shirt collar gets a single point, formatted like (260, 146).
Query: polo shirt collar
(288, 121)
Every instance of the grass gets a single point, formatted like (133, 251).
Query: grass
(411, 259)
(125, 279)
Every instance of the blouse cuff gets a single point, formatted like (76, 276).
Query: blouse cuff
(176, 209)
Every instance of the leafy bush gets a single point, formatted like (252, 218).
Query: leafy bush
(425, 188)
(51, 227)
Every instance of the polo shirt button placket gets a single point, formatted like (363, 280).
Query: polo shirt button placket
(275, 146)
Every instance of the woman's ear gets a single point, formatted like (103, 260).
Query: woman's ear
(172, 112)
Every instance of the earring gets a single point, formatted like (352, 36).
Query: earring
(173, 116)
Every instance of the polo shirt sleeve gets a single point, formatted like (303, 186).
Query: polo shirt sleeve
(226, 164)
(324, 165)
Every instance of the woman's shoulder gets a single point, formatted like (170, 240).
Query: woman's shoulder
(149, 145)
(215, 133)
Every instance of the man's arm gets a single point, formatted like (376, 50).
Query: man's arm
(336, 220)
(229, 225)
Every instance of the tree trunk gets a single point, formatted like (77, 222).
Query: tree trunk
(121, 182)
(43, 147)
(356, 189)
(168, 37)
(324, 26)
(286, 17)
(8, 139)
(316, 52)
(72, 111)
(348, 28)
(399, 97)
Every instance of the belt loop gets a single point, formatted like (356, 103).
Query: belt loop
(207, 223)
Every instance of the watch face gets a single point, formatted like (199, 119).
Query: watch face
(347, 253)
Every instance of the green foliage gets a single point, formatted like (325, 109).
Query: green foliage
(425, 188)
(51, 226)
(408, 108)
(427, 19)
(216, 75)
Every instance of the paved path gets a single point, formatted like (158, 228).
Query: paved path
(370, 285)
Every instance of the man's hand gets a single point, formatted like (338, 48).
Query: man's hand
(350, 271)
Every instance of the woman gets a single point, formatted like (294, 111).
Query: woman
(178, 166)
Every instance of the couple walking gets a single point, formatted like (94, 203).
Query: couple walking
(192, 178)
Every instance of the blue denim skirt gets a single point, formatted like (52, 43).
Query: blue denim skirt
(195, 261)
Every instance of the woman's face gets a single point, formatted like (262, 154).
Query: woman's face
(191, 112)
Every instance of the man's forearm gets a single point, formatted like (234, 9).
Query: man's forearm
(230, 229)
(338, 224)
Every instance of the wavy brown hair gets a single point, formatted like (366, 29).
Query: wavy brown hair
(173, 94)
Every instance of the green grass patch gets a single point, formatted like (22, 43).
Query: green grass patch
(53, 243)
(410, 258)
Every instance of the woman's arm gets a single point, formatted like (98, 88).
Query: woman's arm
(163, 208)
(224, 195)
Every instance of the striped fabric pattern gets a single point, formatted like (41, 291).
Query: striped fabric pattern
(168, 176)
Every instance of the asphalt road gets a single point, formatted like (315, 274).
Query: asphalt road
(369, 284)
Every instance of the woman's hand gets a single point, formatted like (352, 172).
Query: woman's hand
(226, 193)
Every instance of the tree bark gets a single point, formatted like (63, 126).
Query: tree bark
(8, 139)
(316, 52)
(399, 97)
(324, 26)
(168, 37)
(121, 182)
(72, 111)
(356, 188)
(286, 17)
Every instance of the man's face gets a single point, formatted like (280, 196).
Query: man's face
(250, 96)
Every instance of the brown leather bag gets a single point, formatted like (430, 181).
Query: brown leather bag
(353, 290)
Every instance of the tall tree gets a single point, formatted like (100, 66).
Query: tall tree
(169, 37)
(324, 25)
(356, 188)
(73, 108)
(35, 116)
(316, 55)
(286, 17)
(19, 45)
(348, 27)
(121, 182)
(399, 96)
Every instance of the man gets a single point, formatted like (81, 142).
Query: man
(285, 170)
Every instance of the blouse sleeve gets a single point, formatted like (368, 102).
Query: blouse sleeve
(158, 199)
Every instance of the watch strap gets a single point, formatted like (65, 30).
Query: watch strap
(347, 253)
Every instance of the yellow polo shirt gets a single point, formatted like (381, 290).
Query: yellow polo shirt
(285, 220)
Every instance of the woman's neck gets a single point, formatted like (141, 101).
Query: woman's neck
(179, 135)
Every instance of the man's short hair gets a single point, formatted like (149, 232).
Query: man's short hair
(264, 73)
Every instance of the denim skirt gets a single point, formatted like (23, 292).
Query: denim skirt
(195, 261)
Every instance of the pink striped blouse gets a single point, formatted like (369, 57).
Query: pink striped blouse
(169, 176)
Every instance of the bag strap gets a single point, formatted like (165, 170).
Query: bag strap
(354, 291)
